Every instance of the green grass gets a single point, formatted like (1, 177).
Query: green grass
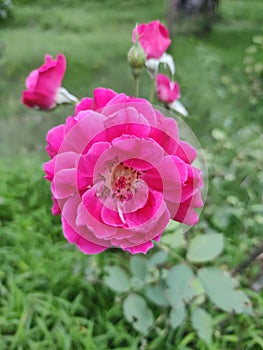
(51, 295)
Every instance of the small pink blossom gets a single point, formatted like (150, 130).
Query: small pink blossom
(167, 90)
(153, 37)
(119, 172)
(43, 83)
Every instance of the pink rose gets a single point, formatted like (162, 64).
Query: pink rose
(119, 172)
(167, 90)
(43, 83)
(153, 37)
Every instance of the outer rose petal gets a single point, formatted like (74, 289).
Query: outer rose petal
(54, 138)
(84, 224)
(141, 248)
(84, 245)
(32, 79)
(102, 97)
(35, 99)
(51, 75)
(55, 208)
(186, 152)
(185, 212)
(49, 169)
(84, 104)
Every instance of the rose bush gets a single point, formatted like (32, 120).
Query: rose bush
(153, 37)
(119, 172)
(43, 83)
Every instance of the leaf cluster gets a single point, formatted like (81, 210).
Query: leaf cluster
(175, 288)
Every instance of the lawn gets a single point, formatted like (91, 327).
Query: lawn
(51, 295)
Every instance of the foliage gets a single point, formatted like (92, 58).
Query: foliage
(171, 286)
(50, 297)
(253, 61)
(5, 9)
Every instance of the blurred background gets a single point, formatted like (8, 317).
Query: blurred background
(218, 51)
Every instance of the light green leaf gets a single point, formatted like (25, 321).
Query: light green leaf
(220, 288)
(202, 322)
(138, 313)
(157, 259)
(173, 227)
(174, 240)
(198, 290)
(177, 316)
(117, 279)
(179, 281)
(205, 247)
(157, 295)
(138, 267)
(222, 216)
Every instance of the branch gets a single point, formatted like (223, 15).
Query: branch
(246, 262)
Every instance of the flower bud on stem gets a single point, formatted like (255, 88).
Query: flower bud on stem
(136, 58)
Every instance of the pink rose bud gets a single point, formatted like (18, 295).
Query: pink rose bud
(43, 84)
(167, 90)
(153, 37)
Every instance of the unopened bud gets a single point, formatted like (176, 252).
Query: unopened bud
(136, 56)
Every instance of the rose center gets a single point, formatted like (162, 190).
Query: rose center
(123, 182)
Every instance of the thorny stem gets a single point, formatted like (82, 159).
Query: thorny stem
(171, 251)
(246, 262)
(240, 267)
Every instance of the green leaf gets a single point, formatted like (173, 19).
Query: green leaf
(198, 290)
(174, 240)
(157, 259)
(202, 322)
(138, 267)
(179, 281)
(205, 247)
(172, 226)
(220, 288)
(177, 316)
(157, 295)
(138, 313)
(117, 279)
(222, 216)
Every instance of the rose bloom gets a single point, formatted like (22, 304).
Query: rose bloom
(119, 172)
(43, 83)
(153, 37)
(167, 90)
